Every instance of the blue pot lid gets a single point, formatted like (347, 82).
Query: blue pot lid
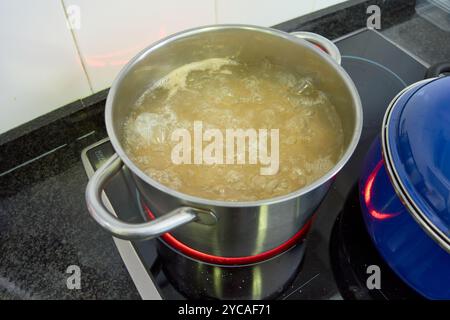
(418, 137)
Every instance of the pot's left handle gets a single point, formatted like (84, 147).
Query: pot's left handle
(121, 229)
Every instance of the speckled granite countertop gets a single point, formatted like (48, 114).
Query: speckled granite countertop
(44, 223)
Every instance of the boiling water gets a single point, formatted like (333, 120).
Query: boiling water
(225, 94)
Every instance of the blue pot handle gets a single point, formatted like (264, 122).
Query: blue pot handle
(438, 69)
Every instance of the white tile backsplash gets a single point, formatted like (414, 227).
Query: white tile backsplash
(39, 66)
(112, 32)
(261, 12)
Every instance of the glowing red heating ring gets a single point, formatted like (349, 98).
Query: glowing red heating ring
(178, 245)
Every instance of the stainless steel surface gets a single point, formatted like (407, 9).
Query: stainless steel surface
(123, 230)
(427, 225)
(243, 228)
(240, 231)
(322, 42)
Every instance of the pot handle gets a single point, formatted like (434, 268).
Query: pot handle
(323, 43)
(124, 230)
(437, 69)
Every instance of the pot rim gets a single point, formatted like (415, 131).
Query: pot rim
(193, 199)
(424, 222)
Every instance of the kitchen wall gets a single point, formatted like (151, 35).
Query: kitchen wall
(56, 51)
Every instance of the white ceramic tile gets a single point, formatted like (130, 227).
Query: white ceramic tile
(40, 68)
(112, 32)
(261, 12)
(321, 4)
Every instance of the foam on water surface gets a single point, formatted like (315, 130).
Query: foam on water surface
(223, 93)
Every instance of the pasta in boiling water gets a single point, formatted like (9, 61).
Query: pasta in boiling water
(221, 95)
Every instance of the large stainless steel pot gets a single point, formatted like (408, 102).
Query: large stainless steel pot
(229, 229)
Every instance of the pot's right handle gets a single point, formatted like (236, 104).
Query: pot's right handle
(437, 69)
(130, 231)
(321, 42)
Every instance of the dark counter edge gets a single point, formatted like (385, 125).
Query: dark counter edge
(85, 116)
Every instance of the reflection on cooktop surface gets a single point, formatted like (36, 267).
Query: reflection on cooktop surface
(352, 251)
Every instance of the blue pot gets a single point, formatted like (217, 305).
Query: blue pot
(405, 187)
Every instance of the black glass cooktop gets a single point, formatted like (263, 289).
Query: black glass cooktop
(338, 249)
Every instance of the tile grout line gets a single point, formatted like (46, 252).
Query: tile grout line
(77, 48)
